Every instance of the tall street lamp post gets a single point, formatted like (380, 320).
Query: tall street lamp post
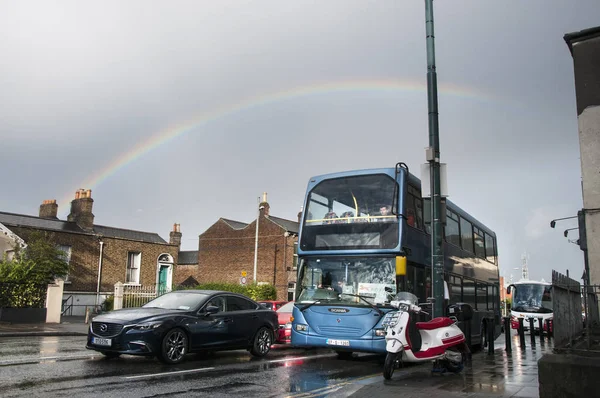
(433, 157)
(256, 239)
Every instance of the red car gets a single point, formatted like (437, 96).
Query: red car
(272, 305)
(284, 314)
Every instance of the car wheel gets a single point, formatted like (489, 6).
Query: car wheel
(110, 354)
(261, 344)
(174, 346)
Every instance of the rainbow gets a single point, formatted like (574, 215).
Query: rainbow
(172, 132)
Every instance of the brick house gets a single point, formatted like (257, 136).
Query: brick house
(226, 252)
(100, 256)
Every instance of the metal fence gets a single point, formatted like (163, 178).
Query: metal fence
(575, 309)
(567, 309)
(127, 296)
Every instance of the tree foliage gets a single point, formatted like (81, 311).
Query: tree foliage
(254, 291)
(41, 262)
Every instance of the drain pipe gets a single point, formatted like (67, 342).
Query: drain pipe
(99, 275)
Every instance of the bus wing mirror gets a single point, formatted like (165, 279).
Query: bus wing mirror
(509, 288)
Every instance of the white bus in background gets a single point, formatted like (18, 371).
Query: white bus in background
(530, 299)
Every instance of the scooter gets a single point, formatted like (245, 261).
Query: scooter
(439, 340)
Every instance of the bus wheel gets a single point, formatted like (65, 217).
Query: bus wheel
(344, 354)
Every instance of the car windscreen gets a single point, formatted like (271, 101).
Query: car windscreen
(177, 301)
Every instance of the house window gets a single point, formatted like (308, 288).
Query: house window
(66, 256)
(134, 259)
(295, 258)
(291, 290)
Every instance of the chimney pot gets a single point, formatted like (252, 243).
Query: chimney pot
(175, 235)
(81, 209)
(49, 209)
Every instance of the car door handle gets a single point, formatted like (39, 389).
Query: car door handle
(227, 320)
(254, 316)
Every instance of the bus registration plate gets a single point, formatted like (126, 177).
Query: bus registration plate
(98, 341)
(345, 343)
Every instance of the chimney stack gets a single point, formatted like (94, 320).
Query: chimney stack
(300, 214)
(49, 209)
(264, 211)
(175, 235)
(81, 209)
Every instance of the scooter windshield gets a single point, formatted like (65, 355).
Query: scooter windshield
(407, 297)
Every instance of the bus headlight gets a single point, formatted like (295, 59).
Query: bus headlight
(300, 327)
(380, 332)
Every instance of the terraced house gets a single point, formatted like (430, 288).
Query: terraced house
(99, 255)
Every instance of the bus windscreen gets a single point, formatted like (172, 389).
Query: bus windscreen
(532, 298)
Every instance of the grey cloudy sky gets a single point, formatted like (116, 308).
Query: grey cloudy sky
(83, 84)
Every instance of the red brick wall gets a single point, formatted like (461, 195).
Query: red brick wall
(225, 252)
(85, 250)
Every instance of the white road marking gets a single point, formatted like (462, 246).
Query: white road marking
(167, 373)
(300, 358)
(291, 359)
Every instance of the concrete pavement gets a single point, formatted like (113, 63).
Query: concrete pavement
(502, 374)
(69, 326)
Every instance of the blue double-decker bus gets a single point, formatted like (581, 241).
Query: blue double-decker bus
(364, 231)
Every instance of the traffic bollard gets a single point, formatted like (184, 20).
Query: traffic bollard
(490, 336)
(507, 338)
(541, 323)
(532, 331)
(521, 333)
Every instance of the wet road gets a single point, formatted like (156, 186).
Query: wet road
(61, 366)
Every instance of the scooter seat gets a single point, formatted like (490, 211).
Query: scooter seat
(435, 323)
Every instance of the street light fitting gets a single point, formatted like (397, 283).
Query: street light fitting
(553, 222)
(567, 231)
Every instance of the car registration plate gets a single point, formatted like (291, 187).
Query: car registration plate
(103, 342)
(345, 343)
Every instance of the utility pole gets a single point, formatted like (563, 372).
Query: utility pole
(256, 239)
(433, 157)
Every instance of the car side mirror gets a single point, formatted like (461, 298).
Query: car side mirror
(211, 309)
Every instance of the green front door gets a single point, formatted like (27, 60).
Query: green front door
(162, 279)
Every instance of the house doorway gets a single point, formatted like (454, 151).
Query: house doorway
(164, 274)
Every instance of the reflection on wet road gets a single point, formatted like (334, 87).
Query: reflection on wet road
(61, 366)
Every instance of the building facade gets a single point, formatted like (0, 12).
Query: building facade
(585, 49)
(226, 252)
(99, 256)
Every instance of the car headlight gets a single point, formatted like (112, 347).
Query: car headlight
(288, 325)
(301, 327)
(147, 325)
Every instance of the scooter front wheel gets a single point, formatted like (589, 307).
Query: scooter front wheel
(389, 365)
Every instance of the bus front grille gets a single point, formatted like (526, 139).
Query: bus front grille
(339, 331)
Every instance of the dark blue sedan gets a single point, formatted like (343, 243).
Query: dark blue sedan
(180, 322)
